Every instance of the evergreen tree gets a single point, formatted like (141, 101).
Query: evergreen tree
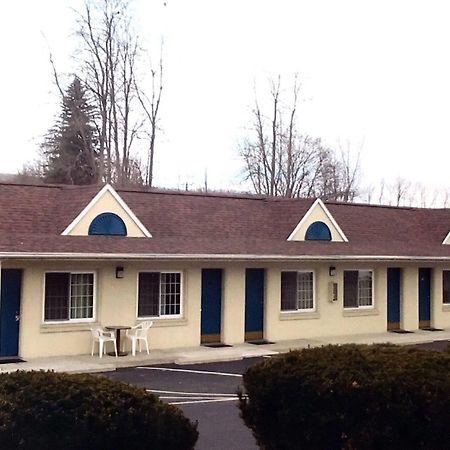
(70, 151)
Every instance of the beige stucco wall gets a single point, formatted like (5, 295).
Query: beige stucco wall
(233, 305)
(117, 300)
(107, 203)
(317, 214)
(409, 305)
(329, 318)
(440, 313)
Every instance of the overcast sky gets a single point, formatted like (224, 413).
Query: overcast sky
(376, 72)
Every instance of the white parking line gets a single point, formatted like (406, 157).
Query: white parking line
(203, 397)
(204, 372)
(206, 394)
(205, 401)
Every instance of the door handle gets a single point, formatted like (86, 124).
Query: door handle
(17, 317)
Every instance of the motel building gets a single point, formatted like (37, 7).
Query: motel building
(209, 268)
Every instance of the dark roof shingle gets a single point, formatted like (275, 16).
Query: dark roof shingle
(32, 219)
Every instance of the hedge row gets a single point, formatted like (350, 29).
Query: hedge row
(350, 397)
(45, 410)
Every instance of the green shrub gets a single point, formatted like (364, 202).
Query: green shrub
(46, 410)
(350, 397)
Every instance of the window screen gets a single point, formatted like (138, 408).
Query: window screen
(57, 289)
(446, 286)
(297, 290)
(350, 289)
(288, 291)
(148, 297)
(358, 288)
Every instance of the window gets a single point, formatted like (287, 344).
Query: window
(358, 288)
(159, 294)
(446, 286)
(297, 290)
(69, 296)
(108, 224)
(318, 231)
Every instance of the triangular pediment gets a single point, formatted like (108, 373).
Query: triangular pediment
(318, 212)
(447, 239)
(107, 201)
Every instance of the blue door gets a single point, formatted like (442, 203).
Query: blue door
(211, 305)
(393, 298)
(11, 282)
(424, 297)
(254, 304)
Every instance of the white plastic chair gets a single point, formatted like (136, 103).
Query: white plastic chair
(102, 336)
(139, 333)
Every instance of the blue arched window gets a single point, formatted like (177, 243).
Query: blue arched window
(108, 224)
(318, 231)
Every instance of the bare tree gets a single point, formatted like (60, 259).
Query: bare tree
(108, 57)
(369, 192)
(382, 191)
(402, 192)
(446, 198)
(422, 195)
(350, 169)
(105, 54)
(281, 161)
(150, 105)
(399, 190)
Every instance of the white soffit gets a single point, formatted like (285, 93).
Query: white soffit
(98, 196)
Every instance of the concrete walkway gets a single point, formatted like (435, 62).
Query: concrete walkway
(192, 355)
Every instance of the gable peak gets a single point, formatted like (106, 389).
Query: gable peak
(107, 200)
(318, 213)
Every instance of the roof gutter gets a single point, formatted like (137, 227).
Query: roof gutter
(219, 256)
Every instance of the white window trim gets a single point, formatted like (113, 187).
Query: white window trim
(302, 310)
(359, 308)
(165, 316)
(69, 320)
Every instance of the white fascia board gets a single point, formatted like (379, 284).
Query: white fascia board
(446, 241)
(98, 196)
(317, 203)
(303, 220)
(223, 257)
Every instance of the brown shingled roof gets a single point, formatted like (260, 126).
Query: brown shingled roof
(32, 219)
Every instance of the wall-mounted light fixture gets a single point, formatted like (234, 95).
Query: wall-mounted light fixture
(120, 273)
(332, 271)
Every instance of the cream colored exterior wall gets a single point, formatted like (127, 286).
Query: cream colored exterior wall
(440, 313)
(317, 214)
(409, 305)
(329, 318)
(107, 203)
(233, 305)
(116, 304)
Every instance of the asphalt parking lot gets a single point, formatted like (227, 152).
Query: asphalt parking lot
(207, 393)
